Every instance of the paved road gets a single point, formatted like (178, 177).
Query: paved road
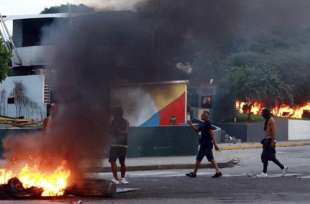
(235, 187)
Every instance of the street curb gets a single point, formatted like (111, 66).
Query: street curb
(258, 145)
(228, 164)
(223, 147)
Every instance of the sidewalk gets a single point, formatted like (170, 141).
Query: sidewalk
(242, 146)
(224, 158)
(162, 163)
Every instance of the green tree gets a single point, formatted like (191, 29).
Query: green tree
(65, 8)
(5, 57)
(258, 82)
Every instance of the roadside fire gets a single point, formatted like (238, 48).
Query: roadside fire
(281, 110)
(53, 183)
(246, 108)
(299, 111)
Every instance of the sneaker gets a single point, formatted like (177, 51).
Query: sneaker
(124, 181)
(262, 175)
(217, 175)
(115, 181)
(284, 171)
(191, 174)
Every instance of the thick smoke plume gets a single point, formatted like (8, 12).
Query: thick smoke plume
(98, 52)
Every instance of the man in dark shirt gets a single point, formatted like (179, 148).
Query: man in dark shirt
(206, 143)
(119, 145)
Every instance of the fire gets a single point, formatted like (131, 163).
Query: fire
(53, 182)
(253, 107)
(282, 110)
(291, 112)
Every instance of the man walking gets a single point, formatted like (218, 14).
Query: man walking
(269, 144)
(206, 143)
(118, 150)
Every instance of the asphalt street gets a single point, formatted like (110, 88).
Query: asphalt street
(236, 186)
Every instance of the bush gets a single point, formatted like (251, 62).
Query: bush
(245, 118)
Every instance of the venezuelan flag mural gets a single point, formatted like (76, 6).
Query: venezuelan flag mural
(154, 104)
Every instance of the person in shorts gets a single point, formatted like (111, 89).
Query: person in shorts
(119, 145)
(206, 143)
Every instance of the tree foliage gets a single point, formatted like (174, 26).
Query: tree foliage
(5, 58)
(258, 82)
(66, 8)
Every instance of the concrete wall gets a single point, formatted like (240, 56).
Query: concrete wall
(4, 132)
(237, 130)
(146, 141)
(33, 55)
(254, 132)
(162, 141)
(28, 38)
(282, 129)
(299, 130)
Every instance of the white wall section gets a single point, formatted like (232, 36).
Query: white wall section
(299, 130)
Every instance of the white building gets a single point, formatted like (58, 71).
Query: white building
(25, 92)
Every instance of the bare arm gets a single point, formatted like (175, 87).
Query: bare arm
(214, 141)
(193, 127)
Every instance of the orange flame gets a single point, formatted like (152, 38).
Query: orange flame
(282, 110)
(253, 107)
(291, 111)
(53, 183)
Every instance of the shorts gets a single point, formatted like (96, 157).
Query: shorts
(205, 151)
(117, 153)
(269, 152)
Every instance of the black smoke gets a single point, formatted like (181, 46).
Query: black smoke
(97, 52)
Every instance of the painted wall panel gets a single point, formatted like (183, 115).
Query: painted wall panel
(151, 105)
(175, 109)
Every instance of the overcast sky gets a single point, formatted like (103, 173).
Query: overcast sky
(24, 7)
(20, 7)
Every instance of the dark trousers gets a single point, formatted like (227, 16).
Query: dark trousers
(275, 160)
(269, 154)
